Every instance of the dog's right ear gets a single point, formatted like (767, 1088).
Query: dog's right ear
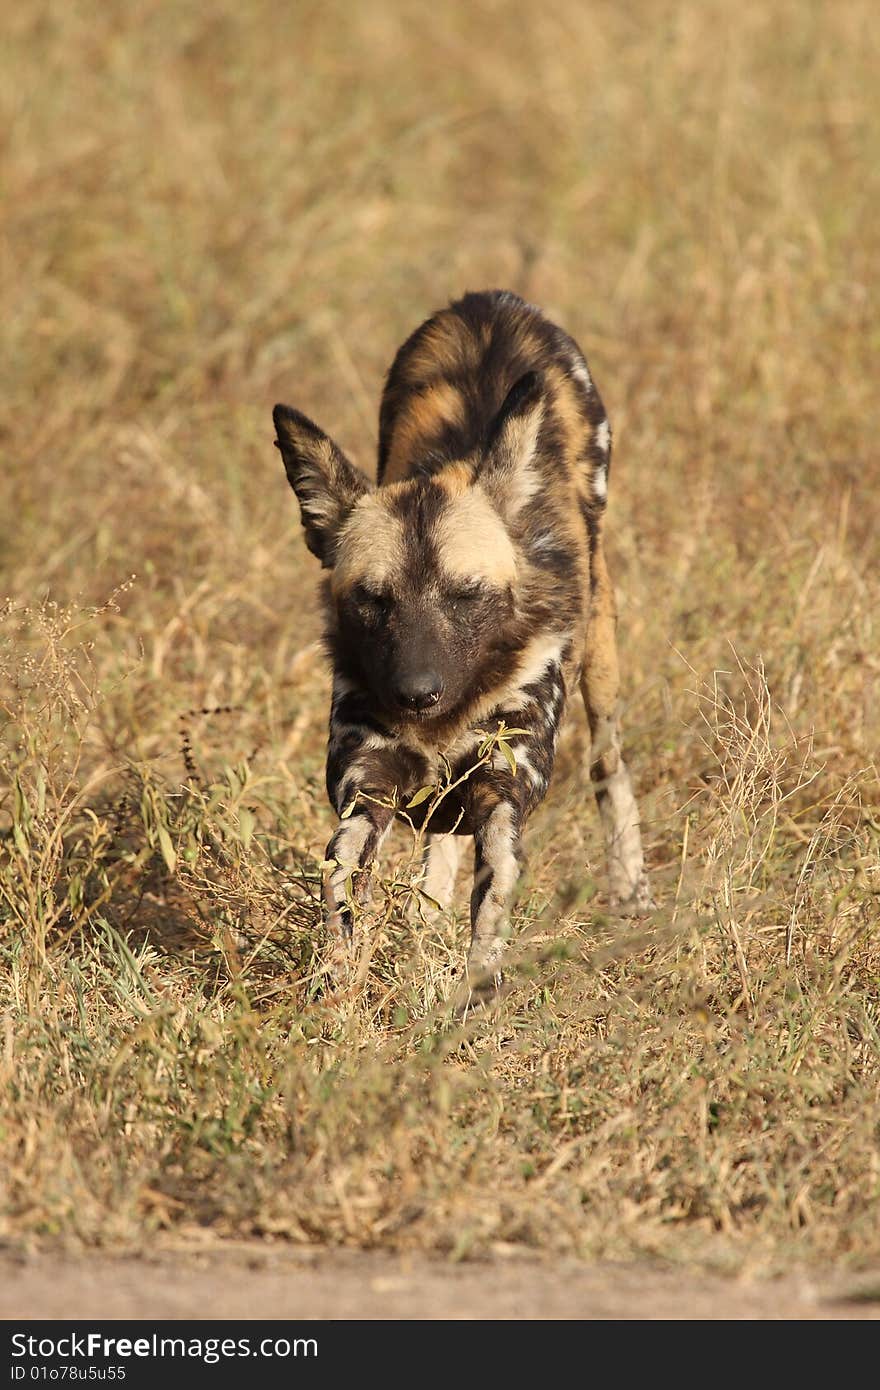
(508, 471)
(326, 484)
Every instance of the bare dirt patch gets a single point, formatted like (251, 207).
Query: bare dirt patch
(253, 1283)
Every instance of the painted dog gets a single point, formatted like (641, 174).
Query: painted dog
(468, 587)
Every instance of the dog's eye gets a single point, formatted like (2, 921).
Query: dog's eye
(369, 599)
(462, 598)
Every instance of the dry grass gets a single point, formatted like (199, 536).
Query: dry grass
(209, 208)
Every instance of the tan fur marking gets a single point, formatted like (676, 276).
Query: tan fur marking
(575, 427)
(445, 348)
(600, 684)
(472, 540)
(454, 479)
(421, 421)
(584, 490)
(370, 548)
(521, 333)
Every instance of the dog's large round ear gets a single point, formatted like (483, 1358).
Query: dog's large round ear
(508, 470)
(327, 486)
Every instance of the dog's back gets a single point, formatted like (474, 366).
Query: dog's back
(451, 377)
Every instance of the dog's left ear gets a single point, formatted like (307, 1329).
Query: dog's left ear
(326, 484)
(508, 471)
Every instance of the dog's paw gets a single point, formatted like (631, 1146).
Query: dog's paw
(481, 986)
(476, 994)
(638, 903)
(339, 965)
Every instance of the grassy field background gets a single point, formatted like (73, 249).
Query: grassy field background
(209, 208)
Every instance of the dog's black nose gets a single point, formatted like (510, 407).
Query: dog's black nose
(420, 692)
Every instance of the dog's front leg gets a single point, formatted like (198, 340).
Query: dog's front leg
(366, 784)
(350, 855)
(496, 871)
(500, 799)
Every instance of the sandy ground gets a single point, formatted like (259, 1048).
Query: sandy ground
(251, 1282)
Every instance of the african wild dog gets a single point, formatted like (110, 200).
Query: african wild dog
(468, 587)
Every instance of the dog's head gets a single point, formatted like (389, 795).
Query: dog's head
(424, 577)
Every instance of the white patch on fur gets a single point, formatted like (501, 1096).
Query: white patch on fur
(552, 711)
(347, 850)
(350, 844)
(602, 441)
(349, 847)
(540, 653)
(369, 739)
(580, 373)
(498, 855)
(525, 766)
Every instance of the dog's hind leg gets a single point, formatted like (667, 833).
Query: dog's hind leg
(600, 687)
